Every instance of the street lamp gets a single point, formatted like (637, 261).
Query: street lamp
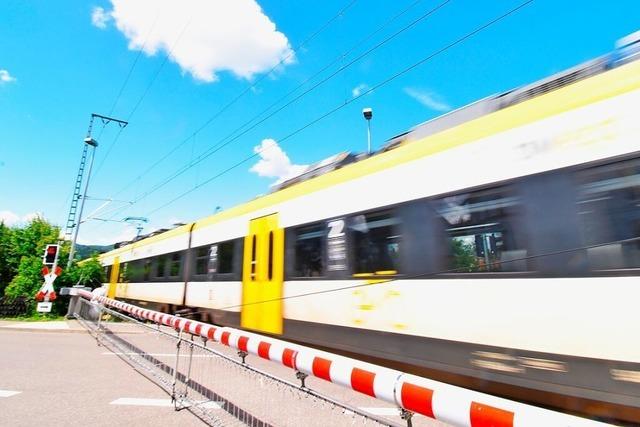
(93, 143)
(368, 114)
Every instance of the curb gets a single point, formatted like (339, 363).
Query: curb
(48, 331)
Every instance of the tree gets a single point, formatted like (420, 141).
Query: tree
(21, 251)
(22, 254)
(6, 271)
(28, 280)
(88, 273)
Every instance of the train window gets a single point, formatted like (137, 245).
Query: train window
(107, 273)
(146, 270)
(225, 257)
(202, 260)
(122, 274)
(220, 258)
(174, 266)
(270, 260)
(309, 251)
(480, 230)
(161, 264)
(608, 200)
(134, 271)
(376, 243)
(253, 258)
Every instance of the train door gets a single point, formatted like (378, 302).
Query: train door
(113, 279)
(263, 275)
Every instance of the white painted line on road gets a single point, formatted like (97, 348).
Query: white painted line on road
(381, 411)
(132, 401)
(8, 393)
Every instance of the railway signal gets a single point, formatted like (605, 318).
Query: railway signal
(50, 271)
(51, 255)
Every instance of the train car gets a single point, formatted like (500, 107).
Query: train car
(496, 247)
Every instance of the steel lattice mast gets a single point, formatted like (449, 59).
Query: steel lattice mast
(73, 224)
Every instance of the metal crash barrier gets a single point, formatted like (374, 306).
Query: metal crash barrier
(197, 376)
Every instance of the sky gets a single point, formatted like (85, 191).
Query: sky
(226, 98)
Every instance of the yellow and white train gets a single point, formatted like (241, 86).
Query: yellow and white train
(495, 247)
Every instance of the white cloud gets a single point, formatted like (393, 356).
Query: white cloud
(203, 37)
(360, 89)
(100, 18)
(274, 162)
(429, 99)
(5, 77)
(11, 219)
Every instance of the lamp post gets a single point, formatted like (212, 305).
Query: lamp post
(93, 143)
(368, 114)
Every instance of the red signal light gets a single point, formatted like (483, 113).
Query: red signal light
(50, 254)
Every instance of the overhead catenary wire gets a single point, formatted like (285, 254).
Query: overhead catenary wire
(340, 13)
(123, 86)
(217, 147)
(147, 88)
(305, 42)
(242, 93)
(341, 106)
(221, 145)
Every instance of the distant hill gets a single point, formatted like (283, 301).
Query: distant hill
(85, 251)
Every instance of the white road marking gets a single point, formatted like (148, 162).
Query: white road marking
(133, 401)
(8, 393)
(381, 411)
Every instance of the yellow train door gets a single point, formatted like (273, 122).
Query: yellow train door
(113, 279)
(263, 276)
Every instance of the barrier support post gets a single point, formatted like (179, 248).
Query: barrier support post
(406, 415)
(175, 371)
(99, 325)
(188, 378)
(301, 376)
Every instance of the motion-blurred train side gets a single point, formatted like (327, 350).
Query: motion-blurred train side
(496, 247)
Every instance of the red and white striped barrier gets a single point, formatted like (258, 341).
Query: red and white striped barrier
(454, 405)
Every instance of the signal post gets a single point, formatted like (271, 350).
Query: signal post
(50, 270)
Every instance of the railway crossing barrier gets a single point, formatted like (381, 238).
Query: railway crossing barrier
(410, 394)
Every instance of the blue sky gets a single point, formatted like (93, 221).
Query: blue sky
(61, 62)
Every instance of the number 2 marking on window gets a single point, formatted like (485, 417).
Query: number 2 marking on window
(336, 228)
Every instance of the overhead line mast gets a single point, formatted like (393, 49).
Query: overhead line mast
(72, 224)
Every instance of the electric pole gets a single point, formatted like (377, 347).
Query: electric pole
(73, 226)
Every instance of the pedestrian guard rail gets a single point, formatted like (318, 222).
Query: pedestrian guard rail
(412, 394)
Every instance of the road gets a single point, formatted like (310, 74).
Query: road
(65, 379)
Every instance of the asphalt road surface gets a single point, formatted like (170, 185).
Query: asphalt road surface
(64, 379)
(55, 374)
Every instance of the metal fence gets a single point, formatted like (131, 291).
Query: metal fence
(220, 388)
(13, 306)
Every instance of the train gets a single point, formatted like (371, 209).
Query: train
(495, 247)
